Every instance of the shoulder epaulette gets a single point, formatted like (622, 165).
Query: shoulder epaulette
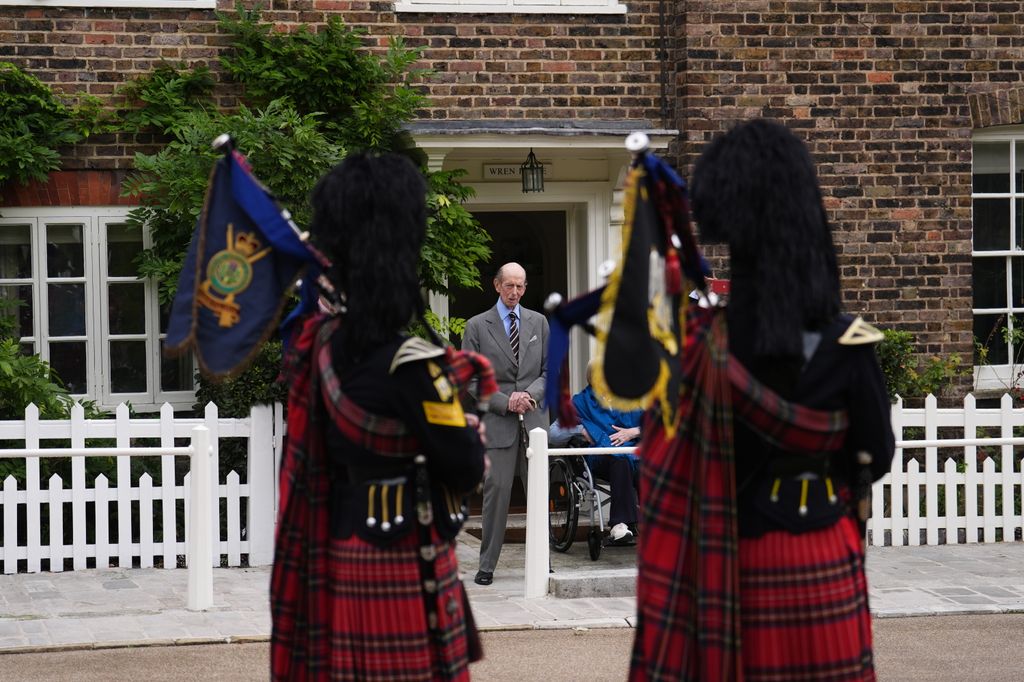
(859, 333)
(414, 348)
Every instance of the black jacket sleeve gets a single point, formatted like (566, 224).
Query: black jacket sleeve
(870, 410)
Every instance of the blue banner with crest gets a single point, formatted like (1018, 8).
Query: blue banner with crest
(244, 258)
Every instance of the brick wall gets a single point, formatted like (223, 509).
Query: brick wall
(882, 92)
(495, 66)
(885, 93)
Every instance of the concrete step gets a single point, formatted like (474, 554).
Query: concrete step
(589, 584)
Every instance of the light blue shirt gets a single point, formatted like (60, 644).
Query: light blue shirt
(504, 310)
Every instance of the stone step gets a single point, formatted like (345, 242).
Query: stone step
(589, 584)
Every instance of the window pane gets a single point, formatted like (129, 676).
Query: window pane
(176, 373)
(990, 282)
(1019, 162)
(1018, 237)
(992, 167)
(15, 252)
(16, 307)
(991, 224)
(27, 348)
(68, 360)
(1017, 282)
(123, 245)
(127, 308)
(127, 366)
(66, 306)
(64, 251)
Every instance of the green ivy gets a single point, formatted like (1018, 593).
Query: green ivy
(286, 150)
(34, 123)
(911, 377)
(256, 386)
(364, 99)
(455, 241)
(161, 98)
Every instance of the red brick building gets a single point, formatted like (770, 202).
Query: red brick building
(912, 110)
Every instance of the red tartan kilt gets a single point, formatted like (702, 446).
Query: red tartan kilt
(804, 606)
(375, 623)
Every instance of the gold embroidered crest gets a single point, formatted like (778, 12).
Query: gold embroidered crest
(229, 273)
(444, 414)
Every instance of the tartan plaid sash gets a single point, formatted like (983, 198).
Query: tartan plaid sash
(688, 588)
(379, 434)
(300, 582)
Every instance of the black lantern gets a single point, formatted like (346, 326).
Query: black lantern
(532, 174)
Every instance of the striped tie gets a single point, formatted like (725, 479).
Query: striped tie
(513, 335)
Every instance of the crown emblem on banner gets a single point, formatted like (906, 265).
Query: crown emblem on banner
(246, 243)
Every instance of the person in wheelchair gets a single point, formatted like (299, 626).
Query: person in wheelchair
(603, 427)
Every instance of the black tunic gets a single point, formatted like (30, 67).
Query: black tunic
(835, 377)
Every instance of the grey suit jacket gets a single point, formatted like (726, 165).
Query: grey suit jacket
(485, 334)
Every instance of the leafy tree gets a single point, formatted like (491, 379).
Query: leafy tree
(287, 152)
(364, 98)
(309, 96)
(163, 97)
(34, 123)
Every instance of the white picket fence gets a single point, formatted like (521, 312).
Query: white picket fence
(149, 515)
(968, 489)
(965, 500)
(957, 496)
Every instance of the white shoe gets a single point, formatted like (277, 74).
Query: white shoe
(620, 532)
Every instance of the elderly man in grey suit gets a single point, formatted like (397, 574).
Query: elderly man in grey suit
(515, 340)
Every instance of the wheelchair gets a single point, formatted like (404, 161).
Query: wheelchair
(572, 485)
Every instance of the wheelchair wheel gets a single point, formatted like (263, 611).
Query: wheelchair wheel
(594, 544)
(563, 506)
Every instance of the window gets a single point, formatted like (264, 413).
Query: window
(997, 198)
(70, 275)
(511, 6)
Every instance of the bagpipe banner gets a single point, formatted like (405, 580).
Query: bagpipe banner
(244, 258)
(639, 312)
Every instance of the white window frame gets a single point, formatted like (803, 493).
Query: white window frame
(135, 4)
(999, 377)
(94, 221)
(511, 6)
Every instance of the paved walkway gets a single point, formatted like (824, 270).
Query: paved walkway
(145, 607)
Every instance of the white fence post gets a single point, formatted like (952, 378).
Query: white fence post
(78, 488)
(10, 546)
(971, 520)
(210, 419)
(537, 549)
(33, 492)
(168, 489)
(123, 491)
(1006, 468)
(200, 567)
(262, 493)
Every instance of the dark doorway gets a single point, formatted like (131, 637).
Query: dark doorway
(537, 241)
(534, 239)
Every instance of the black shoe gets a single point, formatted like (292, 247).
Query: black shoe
(484, 578)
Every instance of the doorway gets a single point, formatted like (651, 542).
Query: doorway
(538, 241)
(534, 239)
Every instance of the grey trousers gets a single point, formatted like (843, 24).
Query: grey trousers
(506, 463)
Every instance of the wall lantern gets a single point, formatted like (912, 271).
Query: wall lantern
(532, 174)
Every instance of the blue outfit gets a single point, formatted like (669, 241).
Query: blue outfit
(619, 470)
